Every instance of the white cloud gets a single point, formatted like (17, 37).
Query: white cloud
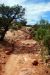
(33, 11)
(11, 2)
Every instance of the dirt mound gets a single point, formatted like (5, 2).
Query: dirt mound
(23, 46)
(26, 46)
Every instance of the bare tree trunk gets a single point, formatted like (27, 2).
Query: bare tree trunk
(3, 34)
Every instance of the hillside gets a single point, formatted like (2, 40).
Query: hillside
(20, 55)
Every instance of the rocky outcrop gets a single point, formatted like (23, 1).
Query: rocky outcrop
(19, 34)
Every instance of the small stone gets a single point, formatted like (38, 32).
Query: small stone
(46, 71)
(35, 62)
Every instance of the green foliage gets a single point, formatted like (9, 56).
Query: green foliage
(47, 42)
(33, 33)
(8, 14)
(19, 25)
(40, 33)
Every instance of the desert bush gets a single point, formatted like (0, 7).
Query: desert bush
(47, 42)
(40, 33)
(33, 32)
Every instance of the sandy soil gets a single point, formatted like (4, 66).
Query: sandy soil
(21, 63)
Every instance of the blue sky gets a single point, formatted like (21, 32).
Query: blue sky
(35, 9)
(37, 1)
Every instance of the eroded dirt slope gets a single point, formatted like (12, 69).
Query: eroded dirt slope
(19, 59)
(21, 63)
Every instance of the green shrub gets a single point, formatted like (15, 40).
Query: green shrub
(40, 33)
(33, 33)
(47, 42)
(48, 32)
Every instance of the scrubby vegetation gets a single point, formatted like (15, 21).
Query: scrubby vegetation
(41, 33)
(47, 42)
